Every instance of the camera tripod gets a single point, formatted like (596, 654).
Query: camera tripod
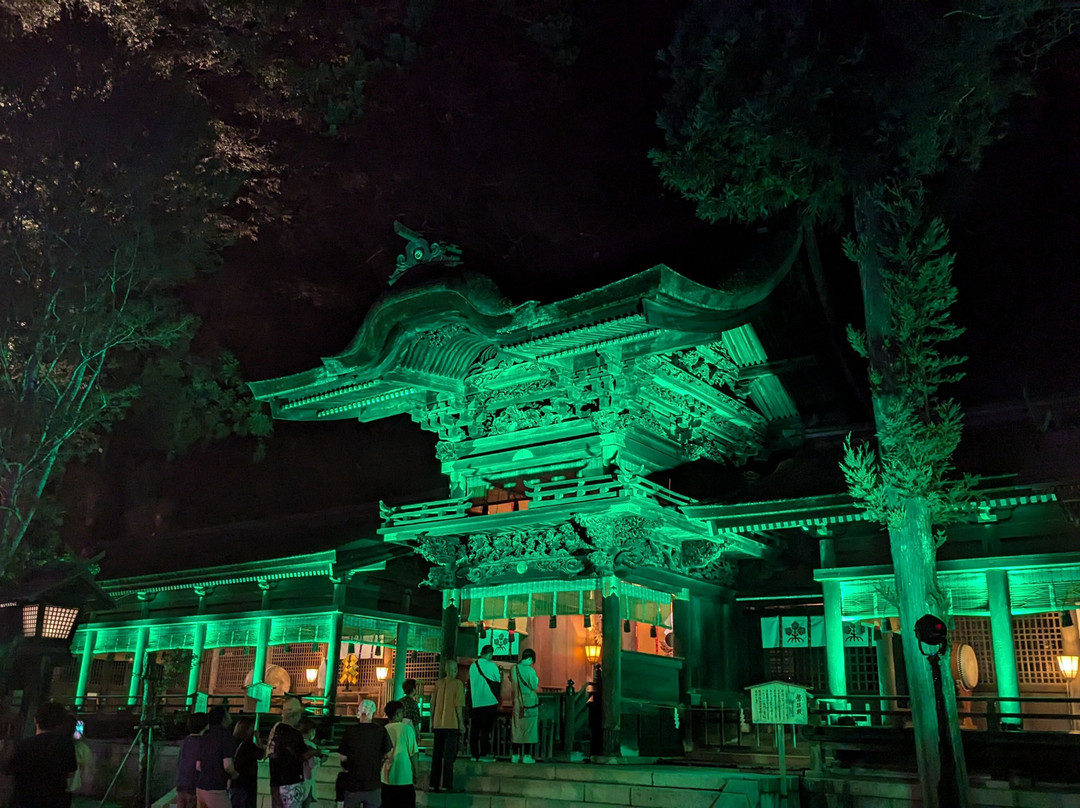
(149, 730)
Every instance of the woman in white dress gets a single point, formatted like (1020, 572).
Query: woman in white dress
(399, 771)
(525, 720)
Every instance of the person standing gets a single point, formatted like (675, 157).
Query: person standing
(364, 748)
(187, 773)
(243, 789)
(448, 725)
(287, 752)
(485, 688)
(525, 720)
(43, 765)
(399, 774)
(216, 760)
(409, 706)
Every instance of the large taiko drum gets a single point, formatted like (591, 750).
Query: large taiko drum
(965, 666)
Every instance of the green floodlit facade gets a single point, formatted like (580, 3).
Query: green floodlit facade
(245, 632)
(554, 424)
(550, 420)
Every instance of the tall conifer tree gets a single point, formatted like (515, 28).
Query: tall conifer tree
(844, 113)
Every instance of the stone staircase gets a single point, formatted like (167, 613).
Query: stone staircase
(562, 785)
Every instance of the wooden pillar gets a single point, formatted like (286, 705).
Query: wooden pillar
(834, 624)
(1001, 638)
(401, 651)
(448, 649)
(86, 662)
(727, 642)
(684, 645)
(198, 648)
(611, 670)
(333, 652)
(886, 666)
(266, 586)
(834, 639)
(138, 665)
(262, 646)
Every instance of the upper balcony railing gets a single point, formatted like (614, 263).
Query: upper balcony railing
(538, 495)
(438, 511)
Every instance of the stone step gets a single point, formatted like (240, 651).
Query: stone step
(518, 785)
(506, 785)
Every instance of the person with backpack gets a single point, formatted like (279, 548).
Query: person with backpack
(485, 686)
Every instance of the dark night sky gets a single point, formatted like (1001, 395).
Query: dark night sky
(539, 172)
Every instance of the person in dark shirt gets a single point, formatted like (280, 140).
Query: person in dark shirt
(244, 785)
(187, 773)
(42, 766)
(216, 760)
(410, 709)
(287, 752)
(364, 748)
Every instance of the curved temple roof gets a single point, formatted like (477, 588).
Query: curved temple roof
(417, 343)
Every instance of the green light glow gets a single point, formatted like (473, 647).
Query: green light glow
(571, 404)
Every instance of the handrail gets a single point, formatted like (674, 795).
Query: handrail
(539, 495)
(577, 488)
(433, 511)
(996, 719)
(662, 493)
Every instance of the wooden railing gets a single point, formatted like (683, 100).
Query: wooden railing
(537, 495)
(997, 713)
(665, 496)
(577, 489)
(436, 511)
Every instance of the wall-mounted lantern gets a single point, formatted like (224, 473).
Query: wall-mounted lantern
(1069, 665)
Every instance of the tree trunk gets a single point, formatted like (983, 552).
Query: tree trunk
(914, 562)
(912, 544)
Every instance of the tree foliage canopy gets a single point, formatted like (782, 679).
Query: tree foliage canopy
(781, 104)
(918, 432)
(845, 114)
(110, 198)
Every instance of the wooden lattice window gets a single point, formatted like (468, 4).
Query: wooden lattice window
(801, 666)
(66, 673)
(206, 664)
(1037, 638)
(121, 672)
(975, 631)
(862, 670)
(296, 659)
(807, 666)
(233, 667)
(424, 668)
(97, 671)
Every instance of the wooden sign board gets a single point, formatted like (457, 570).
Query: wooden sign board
(779, 703)
(261, 693)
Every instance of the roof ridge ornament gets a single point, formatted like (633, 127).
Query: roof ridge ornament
(419, 250)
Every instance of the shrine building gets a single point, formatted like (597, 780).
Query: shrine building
(563, 431)
(555, 425)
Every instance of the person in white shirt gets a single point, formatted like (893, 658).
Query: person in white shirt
(485, 686)
(399, 771)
